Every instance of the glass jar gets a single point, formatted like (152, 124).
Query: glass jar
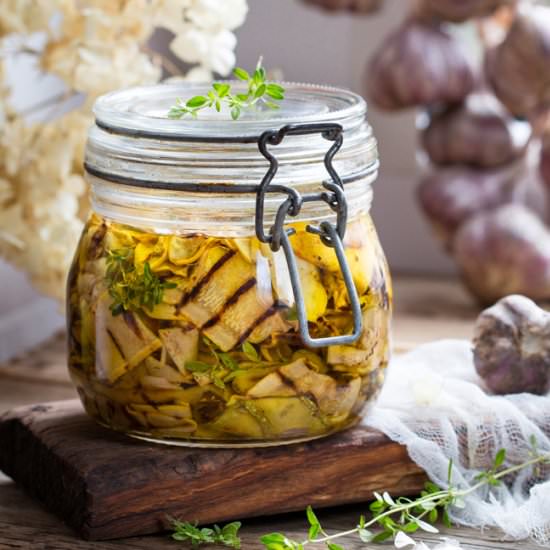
(229, 288)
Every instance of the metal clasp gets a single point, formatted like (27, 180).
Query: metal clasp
(331, 235)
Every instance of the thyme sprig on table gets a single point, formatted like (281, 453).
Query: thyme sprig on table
(130, 288)
(391, 516)
(259, 91)
(225, 536)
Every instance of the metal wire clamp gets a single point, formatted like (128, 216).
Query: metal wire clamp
(331, 235)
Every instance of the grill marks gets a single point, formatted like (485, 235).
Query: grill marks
(299, 391)
(266, 315)
(227, 304)
(115, 343)
(242, 313)
(96, 242)
(198, 287)
(238, 316)
(251, 283)
(131, 322)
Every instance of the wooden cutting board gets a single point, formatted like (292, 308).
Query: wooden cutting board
(107, 485)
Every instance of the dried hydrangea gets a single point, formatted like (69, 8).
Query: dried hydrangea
(92, 46)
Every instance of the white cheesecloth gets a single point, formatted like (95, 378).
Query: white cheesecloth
(434, 404)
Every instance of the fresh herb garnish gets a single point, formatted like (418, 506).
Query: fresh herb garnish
(392, 516)
(250, 351)
(197, 536)
(217, 370)
(130, 288)
(259, 91)
(197, 366)
(228, 361)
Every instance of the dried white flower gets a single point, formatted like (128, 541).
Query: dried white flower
(191, 46)
(228, 14)
(93, 46)
(215, 50)
(171, 14)
(198, 74)
(26, 16)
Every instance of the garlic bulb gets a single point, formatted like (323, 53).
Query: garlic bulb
(512, 347)
(479, 133)
(459, 11)
(418, 64)
(519, 68)
(451, 196)
(356, 6)
(504, 251)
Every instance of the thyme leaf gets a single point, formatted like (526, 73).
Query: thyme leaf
(132, 288)
(250, 351)
(217, 370)
(259, 91)
(198, 536)
(197, 366)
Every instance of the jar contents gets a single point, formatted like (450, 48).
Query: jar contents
(194, 337)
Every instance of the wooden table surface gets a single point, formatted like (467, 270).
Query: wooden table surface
(425, 309)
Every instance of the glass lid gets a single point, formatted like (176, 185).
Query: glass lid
(143, 111)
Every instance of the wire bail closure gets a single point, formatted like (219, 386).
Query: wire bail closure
(332, 235)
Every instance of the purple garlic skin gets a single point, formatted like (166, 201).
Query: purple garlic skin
(354, 6)
(418, 64)
(479, 134)
(458, 11)
(519, 68)
(504, 251)
(512, 347)
(451, 196)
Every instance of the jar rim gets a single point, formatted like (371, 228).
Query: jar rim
(135, 145)
(132, 111)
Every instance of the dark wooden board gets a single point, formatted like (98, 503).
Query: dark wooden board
(106, 485)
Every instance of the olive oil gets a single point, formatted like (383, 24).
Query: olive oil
(194, 337)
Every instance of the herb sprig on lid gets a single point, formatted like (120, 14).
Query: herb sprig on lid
(260, 91)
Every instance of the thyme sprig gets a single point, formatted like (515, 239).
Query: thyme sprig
(217, 370)
(391, 516)
(197, 536)
(130, 288)
(259, 91)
